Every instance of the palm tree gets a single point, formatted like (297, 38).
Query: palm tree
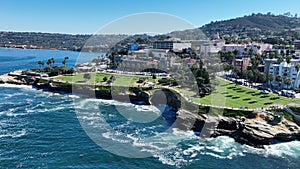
(272, 55)
(249, 75)
(288, 59)
(270, 79)
(64, 62)
(235, 52)
(280, 59)
(278, 79)
(287, 82)
(52, 61)
(297, 67)
(251, 51)
(49, 62)
(263, 78)
(41, 63)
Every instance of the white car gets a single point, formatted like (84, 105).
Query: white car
(265, 91)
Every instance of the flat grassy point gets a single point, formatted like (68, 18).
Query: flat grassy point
(226, 93)
(232, 95)
(119, 80)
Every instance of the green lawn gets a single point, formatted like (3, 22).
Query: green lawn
(120, 80)
(79, 77)
(231, 95)
(226, 93)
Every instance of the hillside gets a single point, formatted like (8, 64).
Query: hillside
(190, 34)
(256, 26)
(267, 28)
(57, 41)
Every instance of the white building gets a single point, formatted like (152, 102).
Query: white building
(285, 70)
(207, 47)
(170, 44)
(156, 53)
(257, 48)
(234, 47)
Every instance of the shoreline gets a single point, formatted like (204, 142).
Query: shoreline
(253, 131)
(38, 49)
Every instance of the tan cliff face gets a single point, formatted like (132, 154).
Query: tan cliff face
(254, 132)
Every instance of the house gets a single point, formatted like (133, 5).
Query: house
(242, 64)
(257, 48)
(297, 44)
(234, 47)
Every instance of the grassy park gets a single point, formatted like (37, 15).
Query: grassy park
(121, 80)
(226, 94)
(232, 95)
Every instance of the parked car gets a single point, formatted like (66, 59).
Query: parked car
(288, 93)
(264, 91)
(276, 92)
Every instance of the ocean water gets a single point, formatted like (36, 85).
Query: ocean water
(14, 59)
(47, 130)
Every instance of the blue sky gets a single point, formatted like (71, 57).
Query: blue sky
(87, 16)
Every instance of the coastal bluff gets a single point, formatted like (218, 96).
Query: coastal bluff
(251, 131)
(254, 131)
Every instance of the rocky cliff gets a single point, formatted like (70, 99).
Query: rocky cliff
(254, 132)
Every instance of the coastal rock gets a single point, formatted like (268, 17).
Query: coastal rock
(165, 96)
(189, 121)
(6, 78)
(254, 132)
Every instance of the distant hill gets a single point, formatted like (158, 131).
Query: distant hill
(59, 41)
(260, 21)
(189, 34)
(255, 25)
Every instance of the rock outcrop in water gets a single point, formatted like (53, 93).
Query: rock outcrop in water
(6, 78)
(254, 132)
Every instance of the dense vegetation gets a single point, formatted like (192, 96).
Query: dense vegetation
(255, 27)
(58, 41)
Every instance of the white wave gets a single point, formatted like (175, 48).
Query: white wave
(7, 96)
(16, 86)
(73, 96)
(290, 149)
(12, 112)
(16, 134)
(147, 108)
(115, 137)
(171, 148)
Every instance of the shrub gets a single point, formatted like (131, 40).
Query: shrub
(104, 79)
(141, 80)
(87, 76)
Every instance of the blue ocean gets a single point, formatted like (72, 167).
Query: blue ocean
(48, 130)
